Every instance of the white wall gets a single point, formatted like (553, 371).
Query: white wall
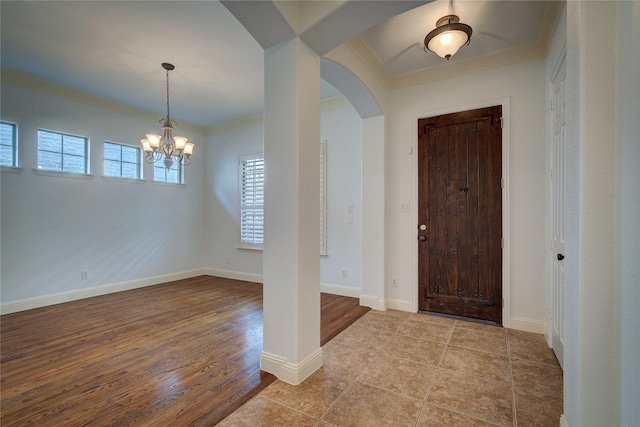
(54, 227)
(524, 85)
(342, 130)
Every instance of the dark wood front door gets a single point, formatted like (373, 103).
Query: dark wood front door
(460, 214)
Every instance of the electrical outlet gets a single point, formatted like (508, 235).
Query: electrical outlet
(227, 260)
(84, 274)
(394, 282)
(343, 272)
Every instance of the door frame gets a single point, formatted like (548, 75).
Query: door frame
(506, 256)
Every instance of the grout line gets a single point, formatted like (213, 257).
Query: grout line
(513, 391)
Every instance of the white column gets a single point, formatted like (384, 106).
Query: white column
(373, 272)
(291, 259)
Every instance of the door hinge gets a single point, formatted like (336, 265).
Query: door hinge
(501, 182)
(502, 243)
(500, 122)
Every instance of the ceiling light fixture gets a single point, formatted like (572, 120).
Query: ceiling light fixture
(448, 36)
(171, 148)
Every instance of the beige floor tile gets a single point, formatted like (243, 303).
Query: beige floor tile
(363, 337)
(263, 412)
(533, 411)
(530, 346)
(481, 327)
(418, 350)
(365, 405)
(540, 380)
(344, 358)
(478, 363)
(314, 396)
(433, 318)
(484, 399)
(381, 320)
(475, 340)
(400, 375)
(426, 330)
(433, 416)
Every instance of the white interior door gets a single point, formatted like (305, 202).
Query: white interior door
(558, 109)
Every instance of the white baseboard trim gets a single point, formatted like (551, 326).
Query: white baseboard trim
(400, 305)
(527, 325)
(291, 373)
(563, 421)
(237, 275)
(46, 300)
(373, 302)
(345, 291)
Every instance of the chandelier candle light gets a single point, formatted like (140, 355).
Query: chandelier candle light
(448, 36)
(171, 148)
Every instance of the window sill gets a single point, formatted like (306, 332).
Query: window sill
(122, 180)
(58, 174)
(11, 169)
(168, 184)
(245, 247)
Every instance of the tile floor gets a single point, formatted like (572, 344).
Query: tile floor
(401, 369)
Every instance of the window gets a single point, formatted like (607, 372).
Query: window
(162, 174)
(251, 186)
(121, 160)
(8, 148)
(62, 152)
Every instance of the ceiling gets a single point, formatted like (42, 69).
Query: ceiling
(113, 49)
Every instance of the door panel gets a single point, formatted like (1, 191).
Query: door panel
(460, 214)
(557, 210)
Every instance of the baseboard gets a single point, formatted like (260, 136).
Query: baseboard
(46, 300)
(345, 291)
(236, 275)
(373, 302)
(527, 325)
(563, 421)
(400, 305)
(289, 372)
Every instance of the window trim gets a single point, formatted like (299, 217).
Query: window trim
(138, 164)
(87, 165)
(14, 147)
(255, 155)
(181, 169)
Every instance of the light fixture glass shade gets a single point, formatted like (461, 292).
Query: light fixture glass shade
(446, 44)
(146, 146)
(180, 142)
(154, 140)
(448, 37)
(188, 148)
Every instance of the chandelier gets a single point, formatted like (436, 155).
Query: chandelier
(448, 36)
(166, 146)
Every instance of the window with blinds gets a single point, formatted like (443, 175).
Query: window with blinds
(251, 198)
(251, 185)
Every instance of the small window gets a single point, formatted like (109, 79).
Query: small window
(251, 198)
(8, 147)
(121, 160)
(62, 152)
(172, 175)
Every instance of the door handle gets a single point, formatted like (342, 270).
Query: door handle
(560, 257)
(422, 237)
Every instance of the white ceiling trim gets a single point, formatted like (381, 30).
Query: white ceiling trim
(375, 65)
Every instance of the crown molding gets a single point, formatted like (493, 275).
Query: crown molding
(371, 60)
(538, 49)
(45, 86)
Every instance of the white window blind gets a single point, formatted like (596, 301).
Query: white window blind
(251, 197)
(251, 184)
(8, 146)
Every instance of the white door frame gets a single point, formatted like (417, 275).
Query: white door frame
(506, 252)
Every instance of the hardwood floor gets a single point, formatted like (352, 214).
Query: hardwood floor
(181, 353)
